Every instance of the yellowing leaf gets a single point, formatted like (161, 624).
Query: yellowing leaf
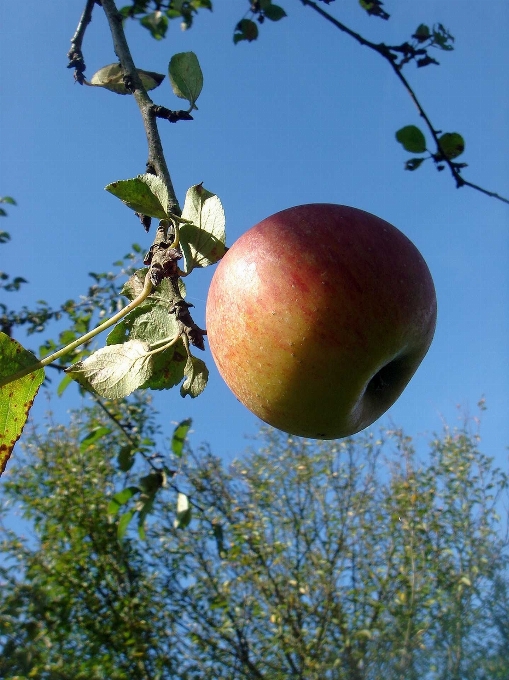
(111, 78)
(16, 398)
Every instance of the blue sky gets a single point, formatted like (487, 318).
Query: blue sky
(302, 115)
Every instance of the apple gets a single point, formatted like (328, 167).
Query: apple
(318, 317)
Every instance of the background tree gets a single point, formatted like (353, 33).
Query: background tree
(342, 560)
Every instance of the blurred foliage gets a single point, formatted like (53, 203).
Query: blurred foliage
(343, 560)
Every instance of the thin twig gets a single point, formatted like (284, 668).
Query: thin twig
(75, 54)
(386, 53)
(156, 160)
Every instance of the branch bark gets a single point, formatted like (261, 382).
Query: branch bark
(156, 162)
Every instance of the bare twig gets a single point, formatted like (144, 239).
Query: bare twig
(75, 54)
(388, 54)
(156, 160)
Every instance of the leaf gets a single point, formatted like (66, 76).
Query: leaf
(422, 33)
(196, 374)
(452, 144)
(124, 522)
(145, 510)
(111, 77)
(93, 437)
(115, 371)
(168, 368)
(219, 536)
(125, 458)
(8, 199)
(204, 241)
(414, 163)
(184, 514)
(186, 76)
(64, 384)
(150, 322)
(121, 498)
(274, 12)
(145, 194)
(16, 398)
(373, 8)
(179, 437)
(412, 139)
(245, 30)
(151, 482)
(157, 23)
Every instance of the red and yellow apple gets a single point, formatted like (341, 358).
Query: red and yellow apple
(318, 317)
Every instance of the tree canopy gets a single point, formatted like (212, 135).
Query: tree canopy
(351, 560)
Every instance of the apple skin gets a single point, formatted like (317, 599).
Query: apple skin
(318, 317)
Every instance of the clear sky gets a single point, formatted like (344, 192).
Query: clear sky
(302, 115)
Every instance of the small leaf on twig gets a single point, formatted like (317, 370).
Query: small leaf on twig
(145, 194)
(452, 144)
(111, 78)
(413, 163)
(196, 374)
(412, 139)
(203, 241)
(179, 437)
(184, 514)
(186, 76)
(245, 30)
(121, 498)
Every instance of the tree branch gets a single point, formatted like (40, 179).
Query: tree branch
(387, 53)
(75, 54)
(156, 162)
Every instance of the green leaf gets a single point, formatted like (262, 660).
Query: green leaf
(204, 241)
(157, 23)
(184, 514)
(168, 368)
(125, 458)
(64, 384)
(115, 371)
(414, 163)
(196, 374)
(145, 194)
(452, 144)
(111, 78)
(5, 237)
(245, 30)
(412, 139)
(151, 482)
(186, 76)
(179, 437)
(121, 498)
(16, 398)
(151, 322)
(93, 437)
(124, 522)
(422, 33)
(8, 199)
(274, 12)
(219, 536)
(148, 322)
(143, 511)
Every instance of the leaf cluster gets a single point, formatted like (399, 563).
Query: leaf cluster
(155, 15)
